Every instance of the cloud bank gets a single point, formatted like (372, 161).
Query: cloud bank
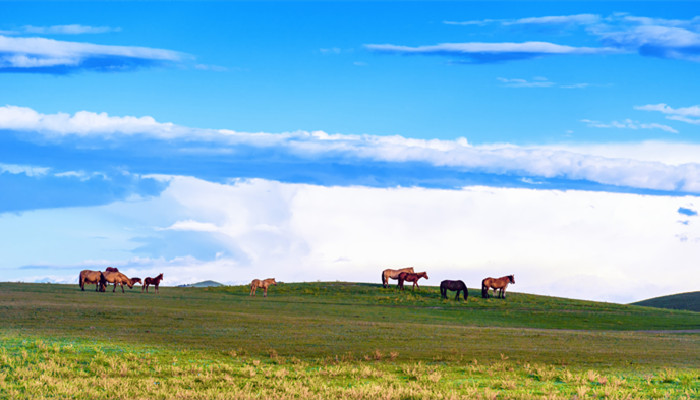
(319, 157)
(575, 246)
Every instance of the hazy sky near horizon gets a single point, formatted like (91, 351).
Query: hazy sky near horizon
(557, 141)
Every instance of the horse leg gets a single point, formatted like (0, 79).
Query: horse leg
(443, 293)
(457, 295)
(264, 291)
(157, 290)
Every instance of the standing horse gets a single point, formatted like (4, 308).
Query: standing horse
(393, 274)
(257, 283)
(152, 281)
(498, 285)
(407, 276)
(117, 278)
(454, 286)
(89, 277)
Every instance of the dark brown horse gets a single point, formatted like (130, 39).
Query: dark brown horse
(393, 274)
(152, 281)
(407, 276)
(89, 277)
(257, 283)
(498, 285)
(454, 286)
(136, 280)
(117, 278)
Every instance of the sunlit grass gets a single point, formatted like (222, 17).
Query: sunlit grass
(336, 340)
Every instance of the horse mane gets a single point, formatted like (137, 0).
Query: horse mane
(111, 269)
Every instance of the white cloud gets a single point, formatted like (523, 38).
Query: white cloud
(81, 123)
(27, 170)
(551, 240)
(689, 115)
(54, 56)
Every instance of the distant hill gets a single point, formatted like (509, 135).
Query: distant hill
(681, 301)
(203, 284)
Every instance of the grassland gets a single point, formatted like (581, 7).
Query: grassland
(332, 340)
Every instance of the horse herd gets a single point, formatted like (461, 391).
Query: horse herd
(112, 275)
(409, 275)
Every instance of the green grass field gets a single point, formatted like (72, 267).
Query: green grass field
(331, 340)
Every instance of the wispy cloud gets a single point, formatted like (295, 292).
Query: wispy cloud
(61, 57)
(539, 82)
(628, 124)
(70, 29)
(480, 52)
(616, 34)
(689, 115)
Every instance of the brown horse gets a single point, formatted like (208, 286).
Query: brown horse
(393, 274)
(407, 276)
(498, 285)
(117, 278)
(257, 283)
(135, 280)
(152, 281)
(89, 277)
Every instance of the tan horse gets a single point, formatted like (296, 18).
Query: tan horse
(117, 278)
(393, 274)
(498, 285)
(407, 276)
(89, 277)
(152, 281)
(257, 283)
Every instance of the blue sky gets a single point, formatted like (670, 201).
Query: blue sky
(225, 140)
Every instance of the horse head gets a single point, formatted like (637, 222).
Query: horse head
(511, 278)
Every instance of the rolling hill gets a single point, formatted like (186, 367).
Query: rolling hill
(682, 301)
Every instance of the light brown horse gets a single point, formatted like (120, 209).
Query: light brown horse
(135, 280)
(89, 277)
(117, 278)
(393, 274)
(407, 276)
(152, 281)
(257, 283)
(498, 285)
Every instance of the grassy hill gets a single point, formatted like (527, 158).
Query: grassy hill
(337, 340)
(681, 301)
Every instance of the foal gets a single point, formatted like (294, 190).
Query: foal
(407, 276)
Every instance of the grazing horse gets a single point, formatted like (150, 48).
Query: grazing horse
(407, 276)
(117, 278)
(89, 277)
(498, 285)
(454, 286)
(152, 281)
(135, 280)
(257, 283)
(393, 274)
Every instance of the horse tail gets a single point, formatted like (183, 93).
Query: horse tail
(383, 281)
(484, 290)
